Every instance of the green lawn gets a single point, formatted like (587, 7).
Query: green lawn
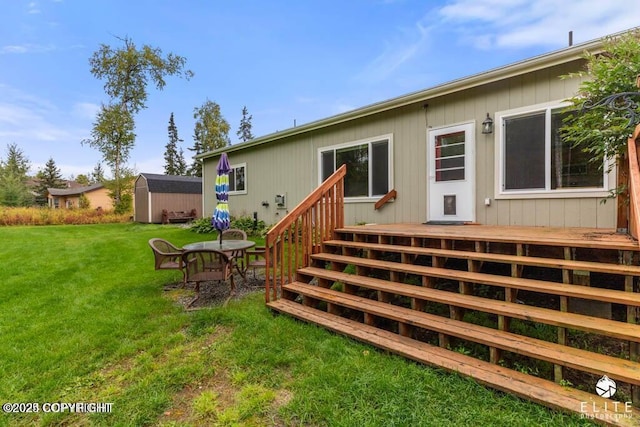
(84, 318)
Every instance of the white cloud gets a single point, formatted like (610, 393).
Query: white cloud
(306, 100)
(32, 8)
(342, 107)
(26, 48)
(150, 165)
(86, 110)
(69, 170)
(405, 46)
(488, 24)
(40, 128)
(499, 24)
(13, 49)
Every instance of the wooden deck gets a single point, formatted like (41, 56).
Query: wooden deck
(492, 302)
(419, 290)
(598, 238)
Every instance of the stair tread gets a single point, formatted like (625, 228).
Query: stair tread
(593, 266)
(611, 328)
(616, 368)
(569, 290)
(536, 389)
(574, 237)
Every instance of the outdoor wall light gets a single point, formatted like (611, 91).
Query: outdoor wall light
(487, 125)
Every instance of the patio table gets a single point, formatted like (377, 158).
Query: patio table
(233, 248)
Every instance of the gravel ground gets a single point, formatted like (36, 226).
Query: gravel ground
(214, 293)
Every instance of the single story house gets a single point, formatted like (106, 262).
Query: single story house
(482, 149)
(154, 193)
(65, 198)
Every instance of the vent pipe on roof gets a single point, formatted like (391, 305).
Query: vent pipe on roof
(570, 38)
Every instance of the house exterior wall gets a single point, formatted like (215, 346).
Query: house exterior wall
(290, 165)
(100, 199)
(285, 169)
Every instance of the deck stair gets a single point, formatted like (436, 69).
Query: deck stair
(540, 314)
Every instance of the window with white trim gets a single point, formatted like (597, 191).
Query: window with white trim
(238, 179)
(369, 165)
(534, 159)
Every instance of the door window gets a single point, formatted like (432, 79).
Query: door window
(449, 157)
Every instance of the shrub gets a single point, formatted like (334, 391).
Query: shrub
(246, 223)
(47, 216)
(202, 226)
(249, 226)
(84, 202)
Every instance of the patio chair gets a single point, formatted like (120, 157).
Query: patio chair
(167, 256)
(237, 257)
(207, 265)
(256, 258)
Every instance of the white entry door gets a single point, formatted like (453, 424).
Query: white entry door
(451, 173)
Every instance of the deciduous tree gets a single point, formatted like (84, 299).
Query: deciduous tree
(211, 132)
(112, 134)
(603, 131)
(126, 72)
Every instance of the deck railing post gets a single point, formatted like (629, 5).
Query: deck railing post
(312, 221)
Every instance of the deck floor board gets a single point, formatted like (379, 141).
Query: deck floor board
(602, 238)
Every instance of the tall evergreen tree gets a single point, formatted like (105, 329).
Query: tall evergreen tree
(244, 131)
(13, 178)
(97, 175)
(48, 177)
(16, 163)
(195, 169)
(173, 155)
(211, 132)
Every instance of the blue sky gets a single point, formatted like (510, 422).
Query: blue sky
(284, 60)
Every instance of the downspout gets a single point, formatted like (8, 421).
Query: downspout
(203, 187)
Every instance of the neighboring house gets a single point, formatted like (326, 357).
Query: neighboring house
(430, 147)
(155, 193)
(66, 198)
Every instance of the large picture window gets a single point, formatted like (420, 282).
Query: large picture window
(534, 158)
(368, 166)
(238, 179)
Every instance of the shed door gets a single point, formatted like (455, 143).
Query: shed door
(451, 182)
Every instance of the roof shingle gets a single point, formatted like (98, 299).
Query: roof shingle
(173, 184)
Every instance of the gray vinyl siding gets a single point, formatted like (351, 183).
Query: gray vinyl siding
(290, 165)
(281, 168)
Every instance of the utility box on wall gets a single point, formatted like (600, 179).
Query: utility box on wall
(281, 201)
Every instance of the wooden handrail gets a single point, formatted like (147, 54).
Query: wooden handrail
(385, 199)
(290, 243)
(634, 183)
